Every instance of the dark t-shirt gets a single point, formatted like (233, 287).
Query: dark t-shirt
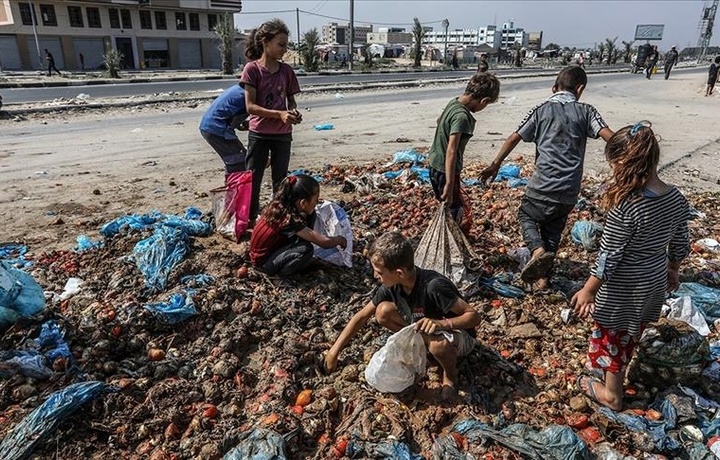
(432, 296)
(713, 73)
(267, 239)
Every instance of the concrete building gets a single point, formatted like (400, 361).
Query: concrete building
(535, 41)
(390, 36)
(336, 33)
(510, 35)
(464, 37)
(174, 34)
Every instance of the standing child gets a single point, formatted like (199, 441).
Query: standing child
(559, 127)
(712, 76)
(644, 240)
(409, 294)
(280, 244)
(270, 89)
(226, 114)
(455, 128)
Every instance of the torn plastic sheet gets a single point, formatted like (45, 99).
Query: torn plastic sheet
(14, 254)
(20, 295)
(84, 243)
(157, 255)
(179, 308)
(258, 444)
(408, 156)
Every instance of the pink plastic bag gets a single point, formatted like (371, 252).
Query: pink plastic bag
(231, 205)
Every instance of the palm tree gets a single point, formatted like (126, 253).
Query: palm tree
(627, 53)
(612, 50)
(308, 54)
(601, 52)
(418, 35)
(226, 32)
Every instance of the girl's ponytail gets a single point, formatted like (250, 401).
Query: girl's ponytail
(253, 46)
(266, 32)
(290, 190)
(634, 153)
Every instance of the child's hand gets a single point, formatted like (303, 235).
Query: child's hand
(289, 118)
(428, 326)
(673, 280)
(447, 194)
(584, 303)
(489, 173)
(298, 116)
(340, 241)
(329, 363)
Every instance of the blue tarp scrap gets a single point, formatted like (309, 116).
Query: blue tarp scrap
(704, 298)
(587, 233)
(258, 444)
(555, 442)
(14, 254)
(408, 156)
(20, 295)
(84, 243)
(42, 422)
(158, 254)
(178, 308)
(655, 428)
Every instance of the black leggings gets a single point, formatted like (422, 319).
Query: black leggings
(289, 259)
(542, 223)
(259, 148)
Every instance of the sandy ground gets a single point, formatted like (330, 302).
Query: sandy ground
(65, 174)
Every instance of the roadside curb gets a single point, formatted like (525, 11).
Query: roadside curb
(120, 81)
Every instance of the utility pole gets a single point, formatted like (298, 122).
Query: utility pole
(297, 21)
(37, 43)
(445, 24)
(707, 21)
(352, 35)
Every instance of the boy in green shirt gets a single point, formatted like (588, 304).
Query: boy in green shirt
(455, 128)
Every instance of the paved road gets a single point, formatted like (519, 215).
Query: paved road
(23, 95)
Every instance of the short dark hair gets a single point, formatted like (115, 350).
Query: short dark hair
(717, 60)
(483, 85)
(570, 78)
(392, 251)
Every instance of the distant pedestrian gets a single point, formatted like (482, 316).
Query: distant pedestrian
(50, 63)
(652, 60)
(712, 76)
(82, 61)
(483, 65)
(671, 59)
(454, 61)
(581, 60)
(270, 88)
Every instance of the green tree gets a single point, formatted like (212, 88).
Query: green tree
(601, 52)
(552, 46)
(627, 51)
(112, 60)
(226, 33)
(418, 35)
(308, 53)
(612, 50)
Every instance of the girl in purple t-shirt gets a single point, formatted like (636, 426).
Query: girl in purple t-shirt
(270, 88)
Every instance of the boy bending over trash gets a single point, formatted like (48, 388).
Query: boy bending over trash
(559, 127)
(411, 294)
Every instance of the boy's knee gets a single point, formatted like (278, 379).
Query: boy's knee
(386, 314)
(442, 348)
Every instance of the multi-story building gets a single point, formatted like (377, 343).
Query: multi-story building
(149, 33)
(535, 40)
(464, 37)
(390, 36)
(510, 35)
(335, 33)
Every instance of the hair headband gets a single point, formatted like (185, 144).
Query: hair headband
(292, 180)
(638, 126)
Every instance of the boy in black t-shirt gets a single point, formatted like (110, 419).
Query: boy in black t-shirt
(409, 294)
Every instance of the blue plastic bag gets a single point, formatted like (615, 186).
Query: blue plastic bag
(157, 255)
(587, 233)
(408, 156)
(179, 308)
(84, 243)
(517, 182)
(42, 422)
(199, 280)
(28, 363)
(656, 429)
(507, 172)
(705, 299)
(324, 127)
(387, 450)
(132, 221)
(52, 339)
(20, 295)
(192, 227)
(14, 254)
(258, 444)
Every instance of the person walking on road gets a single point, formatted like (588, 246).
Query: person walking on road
(651, 62)
(671, 59)
(50, 63)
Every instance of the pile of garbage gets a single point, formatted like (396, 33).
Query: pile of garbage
(157, 339)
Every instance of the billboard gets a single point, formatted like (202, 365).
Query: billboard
(649, 31)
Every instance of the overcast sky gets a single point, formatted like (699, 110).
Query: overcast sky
(567, 23)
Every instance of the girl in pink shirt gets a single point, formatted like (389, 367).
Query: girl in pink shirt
(270, 88)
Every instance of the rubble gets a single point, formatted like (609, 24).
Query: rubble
(245, 368)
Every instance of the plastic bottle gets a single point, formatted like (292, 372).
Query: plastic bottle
(324, 127)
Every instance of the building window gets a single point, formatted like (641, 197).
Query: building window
(93, 17)
(75, 15)
(160, 20)
(47, 13)
(27, 14)
(126, 19)
(114, 18)
(194, 21)
(145, 20)
(180, 21)
(212, 21)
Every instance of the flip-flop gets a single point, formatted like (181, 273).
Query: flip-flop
(589, 381)
(595, 372)
(537, 267)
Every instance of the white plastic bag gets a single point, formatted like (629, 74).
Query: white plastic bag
(332, 221)
(683, 309)
(393, 368)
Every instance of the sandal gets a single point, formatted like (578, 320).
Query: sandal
(589, 381)
(537, 267)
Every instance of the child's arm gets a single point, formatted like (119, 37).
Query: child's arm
(292, 108)
(321, 240)
(353, 326)
(491, 171)
(255, 109)
(450, 161)
(606, 134)
(467, 318)
(584, 300)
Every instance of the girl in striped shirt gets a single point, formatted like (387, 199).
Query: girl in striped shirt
(644, 240)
